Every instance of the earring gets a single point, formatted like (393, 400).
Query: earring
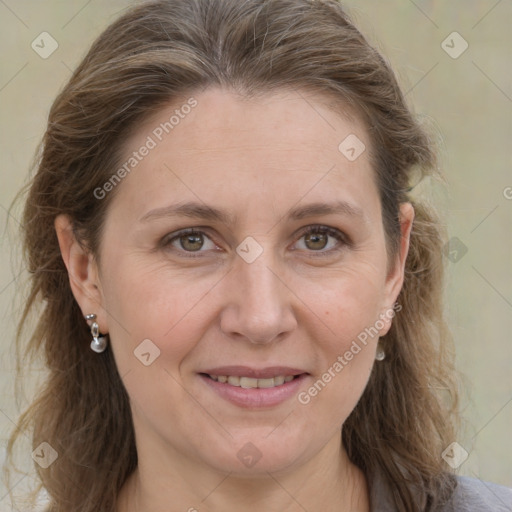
(380, 355)
(98, 343)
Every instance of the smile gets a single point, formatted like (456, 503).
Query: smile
(253, 388)
(251, 382)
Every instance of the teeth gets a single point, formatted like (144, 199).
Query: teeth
(265, 383)
(252, 383)
(247, 382)
(234, 381)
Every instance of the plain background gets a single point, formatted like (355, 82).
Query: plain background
(467, 100)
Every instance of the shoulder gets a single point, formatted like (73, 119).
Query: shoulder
(469, 495)
(474, 495)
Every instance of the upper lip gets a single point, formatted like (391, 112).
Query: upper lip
(261, 373)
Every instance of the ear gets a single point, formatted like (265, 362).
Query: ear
(82, 270)
(395, 278)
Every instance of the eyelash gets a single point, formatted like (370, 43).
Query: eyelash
(343, 239)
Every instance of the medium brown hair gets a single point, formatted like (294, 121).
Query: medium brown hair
(155, 53)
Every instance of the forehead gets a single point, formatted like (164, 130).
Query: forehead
(279, 147)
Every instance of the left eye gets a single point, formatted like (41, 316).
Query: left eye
(320, 239)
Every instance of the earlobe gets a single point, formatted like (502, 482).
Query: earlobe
(82, 271)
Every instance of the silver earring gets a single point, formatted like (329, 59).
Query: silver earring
(380, 355)
(98, 343)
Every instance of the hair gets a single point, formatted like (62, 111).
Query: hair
(155, 53)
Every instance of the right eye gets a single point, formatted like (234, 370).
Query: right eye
(188, 241)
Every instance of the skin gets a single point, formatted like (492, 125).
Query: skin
(298, 304)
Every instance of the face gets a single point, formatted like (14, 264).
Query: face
(246, 245)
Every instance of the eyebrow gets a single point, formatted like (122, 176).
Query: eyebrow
(204, 212)
(337, 208)
(190, 209)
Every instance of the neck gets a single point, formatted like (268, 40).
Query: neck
(329, 482)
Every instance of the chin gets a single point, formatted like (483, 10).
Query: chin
(258, 453)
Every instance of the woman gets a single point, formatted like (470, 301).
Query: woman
(242, 302)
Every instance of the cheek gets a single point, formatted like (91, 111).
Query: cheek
(349, 300)
(347, 335)
(157, 304)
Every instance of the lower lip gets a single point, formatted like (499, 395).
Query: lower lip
(253, 398)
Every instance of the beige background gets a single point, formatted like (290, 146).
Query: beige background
(469, 101)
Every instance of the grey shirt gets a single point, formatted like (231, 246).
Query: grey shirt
(470, 495)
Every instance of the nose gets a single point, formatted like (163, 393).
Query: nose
(260, 304)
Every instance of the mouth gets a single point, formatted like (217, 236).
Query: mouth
(254, 388)
(252, 382)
